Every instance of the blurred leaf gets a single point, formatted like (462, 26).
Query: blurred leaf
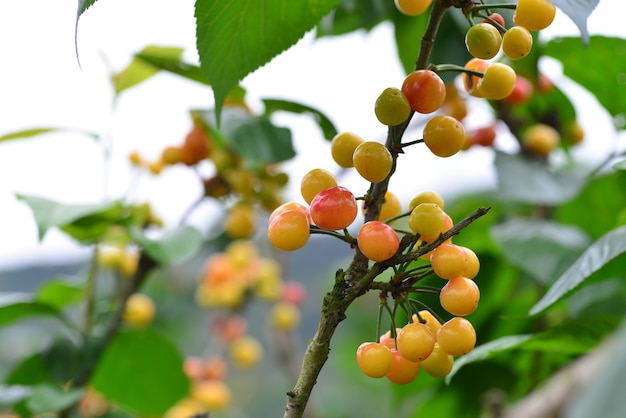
(94, 227)
(260, 142)
(597, 255)
(10, 394)
(604, 197)
(30, 371)
(353, 15)
(408, 31)
(69, 362)
(541, 248)
(578, 11)
(49, 213)
(15, 306)
(173, 247)
(531, 181)
(276, 105)
(605, 85)
(58, 293)
(573, 337)
(620, 165)
(487, 350)
(51, 398)
(161, 59)
(603, 395)
(236, 37)
(143, 371)
(29, 133)
(142, 66)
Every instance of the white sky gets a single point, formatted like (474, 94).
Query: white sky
(41, 84)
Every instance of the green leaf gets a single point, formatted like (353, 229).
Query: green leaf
(29, 133)
(326, 125)
(603, 395)
(152, 59)
(352, 15)
(597, 255)
(50, 214)
(408, 30)
(260, 142)
(173, 247)
(578, 11)
(69, 362)
(143, 371)
(487, 350)
(527, 180)
(28, 372)
(15, 306)
(573, 337)
(541, 248)
(84, 5)
(58, 293)
(51, 398)
(604, 197)
(620, 165)
(605, 85)
(10, 394)
(236, 37)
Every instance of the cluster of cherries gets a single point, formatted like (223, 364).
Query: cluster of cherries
(229, 281)
(245, 189)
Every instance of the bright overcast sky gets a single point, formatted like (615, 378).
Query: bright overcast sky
(42, 85)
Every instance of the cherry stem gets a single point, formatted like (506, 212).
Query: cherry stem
(458, 68)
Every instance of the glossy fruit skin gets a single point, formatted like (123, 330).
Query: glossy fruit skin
(541, 139)
(378, 241)
(459, 296)
(392, 107)
(427, 220)
(374, 359)
(402, 371)
(314, 182)
(473, 264)
(522, 91)
(483, 40)
(373, 161)
(517, 42)
(413, 7)
(449, 261)
(470, 81)
(334, 208)
(342, 148)
(289, 230)
(427, 197)
(497, 82)
(289, 206)
(534, 14)
(444, 136)
(497, 17)
(425, 91)
(415, 341)
(432, 322)
(457, 336)
(439, 363)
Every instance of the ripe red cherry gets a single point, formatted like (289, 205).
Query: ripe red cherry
(333, 208)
